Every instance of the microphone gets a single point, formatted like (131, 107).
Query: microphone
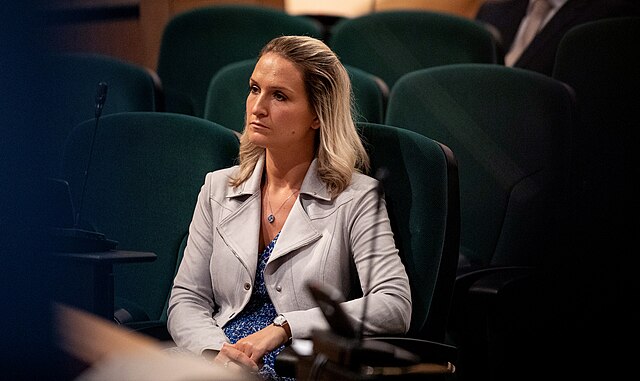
(78, 238)
(101, 98)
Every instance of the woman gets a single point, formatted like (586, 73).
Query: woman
(296, 209)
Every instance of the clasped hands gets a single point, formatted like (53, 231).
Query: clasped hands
(247, 353)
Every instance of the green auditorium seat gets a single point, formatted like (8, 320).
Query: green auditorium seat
(392, 43)
(421, 192)
(420, 187)
(197, 43)
(75, 78)
(511, 132)
(143, 177)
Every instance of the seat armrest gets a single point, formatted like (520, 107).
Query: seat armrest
(108, 257)
(502, 282)
(470, 286)
(91, 287)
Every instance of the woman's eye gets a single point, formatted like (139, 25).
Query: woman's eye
(253, 89)
(279, 96)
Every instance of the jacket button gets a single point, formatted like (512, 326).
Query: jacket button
(247, 286)
(278, 288)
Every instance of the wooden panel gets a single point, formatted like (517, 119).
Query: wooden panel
(464, 8)
(119, 38)
(341, 8)
(101, 26)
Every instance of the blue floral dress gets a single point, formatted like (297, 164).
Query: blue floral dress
(258, 314)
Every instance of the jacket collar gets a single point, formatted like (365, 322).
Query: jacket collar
(312, 185)
(244, 222)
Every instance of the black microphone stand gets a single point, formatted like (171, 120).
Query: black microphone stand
(101, 97)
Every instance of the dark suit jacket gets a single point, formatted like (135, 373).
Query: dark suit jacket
(540, 55)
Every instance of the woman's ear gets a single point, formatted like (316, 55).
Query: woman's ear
(315, 124)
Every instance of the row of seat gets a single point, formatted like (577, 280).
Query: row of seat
(198, 43)
(512, 132)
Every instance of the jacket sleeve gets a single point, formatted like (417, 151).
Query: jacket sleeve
(191, 305)
(383, 278)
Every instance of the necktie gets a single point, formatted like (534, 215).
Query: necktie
(530, 26)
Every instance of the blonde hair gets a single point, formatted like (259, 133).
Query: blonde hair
(339, 149)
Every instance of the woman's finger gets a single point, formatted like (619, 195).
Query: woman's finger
(238, 357)
(246, 347)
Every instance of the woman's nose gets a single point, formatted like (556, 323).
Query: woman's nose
(258, 105)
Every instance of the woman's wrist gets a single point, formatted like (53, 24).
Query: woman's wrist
(281, 321)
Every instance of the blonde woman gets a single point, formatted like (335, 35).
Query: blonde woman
(297, 208)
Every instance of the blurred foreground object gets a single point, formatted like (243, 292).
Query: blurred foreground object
(113, 353)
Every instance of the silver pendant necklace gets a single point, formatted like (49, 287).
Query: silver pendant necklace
(271, 217)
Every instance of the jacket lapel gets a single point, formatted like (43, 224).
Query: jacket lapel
(298, 231)
(240, 227)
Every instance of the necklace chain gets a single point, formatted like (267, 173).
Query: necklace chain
(271, 217)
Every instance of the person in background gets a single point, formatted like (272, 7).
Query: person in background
(297, 208)
(546, 21)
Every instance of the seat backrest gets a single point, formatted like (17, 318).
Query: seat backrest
(197, 43)
(598, 60)
(422, 199)
(392, 43)
(130, 87)
(510, 130)
(145, 172)
(228, 92)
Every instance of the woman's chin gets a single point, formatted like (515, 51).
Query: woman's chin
(257, 139)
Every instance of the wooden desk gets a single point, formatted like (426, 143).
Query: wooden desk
(85, 280)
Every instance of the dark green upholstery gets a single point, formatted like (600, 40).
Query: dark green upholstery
(370, 95)
(392, 43)
(75, 78)
(511, 132)
(197, 43)
(229, 87)
(227, 94)
(146, 171)
(509, 129)
(421, 193)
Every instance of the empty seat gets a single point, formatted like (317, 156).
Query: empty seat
(143, 176)
(197, 43)
(392, 43)
(511, 132)
(75, 77)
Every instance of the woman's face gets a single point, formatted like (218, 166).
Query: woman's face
(279, 116)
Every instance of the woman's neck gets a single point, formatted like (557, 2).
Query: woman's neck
(286, 172)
